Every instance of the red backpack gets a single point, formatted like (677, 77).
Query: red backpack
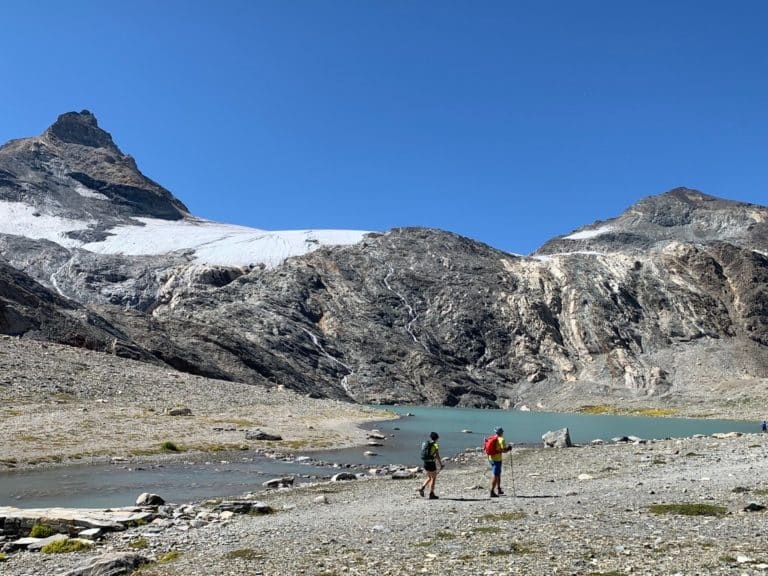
(491, 445)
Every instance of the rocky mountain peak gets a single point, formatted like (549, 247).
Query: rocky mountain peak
(80, 128)
(679, 215)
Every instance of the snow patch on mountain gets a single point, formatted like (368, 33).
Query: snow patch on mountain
(217, 244)
(586, 234)
(20, 219)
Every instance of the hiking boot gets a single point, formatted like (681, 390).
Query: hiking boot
(432, 496)
(501, 492)
(421, 492)
(494, 495)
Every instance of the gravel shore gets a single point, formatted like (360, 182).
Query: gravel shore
(583, 510)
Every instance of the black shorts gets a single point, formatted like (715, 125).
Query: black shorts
(430, 466)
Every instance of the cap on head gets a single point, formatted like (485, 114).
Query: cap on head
(434, 435)
(499, 431)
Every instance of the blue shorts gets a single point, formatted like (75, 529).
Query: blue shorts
(495, 467)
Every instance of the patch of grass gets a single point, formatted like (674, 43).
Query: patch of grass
(245, 554)
(653, 412)
(3, 557)
(65, 546)
(761, 491)
(658, 460)
(169, 557)
(504, 516)
(41, 531)
(598, 409)
(615, 410)
(740, 490)
(221, 447)
(139, 544)
(486, 529)
(688, 509)
(169, 446)
(611, 573)
(728, 559)
(239, 422)
(423, 544)
(444, 535)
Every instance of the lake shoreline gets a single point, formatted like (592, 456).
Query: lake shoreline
(614, 508)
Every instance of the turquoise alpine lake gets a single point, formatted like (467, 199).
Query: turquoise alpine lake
(222, 475)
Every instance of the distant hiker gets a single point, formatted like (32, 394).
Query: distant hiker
(764, 426)
(494, 447)
(430, 456)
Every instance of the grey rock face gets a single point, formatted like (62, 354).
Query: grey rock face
(671, 295)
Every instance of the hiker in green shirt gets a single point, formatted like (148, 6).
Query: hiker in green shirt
(430, 456)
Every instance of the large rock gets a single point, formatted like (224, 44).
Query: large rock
(116, 564)
(147, 499)
(557, 439)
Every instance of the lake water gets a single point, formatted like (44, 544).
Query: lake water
(237, 473)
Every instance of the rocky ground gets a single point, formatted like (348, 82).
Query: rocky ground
(61, 404)
(584, 510)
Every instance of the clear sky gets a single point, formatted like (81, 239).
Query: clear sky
(506, 121)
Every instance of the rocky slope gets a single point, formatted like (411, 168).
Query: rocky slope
(668, 299)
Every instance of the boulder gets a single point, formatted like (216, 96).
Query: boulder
(115, 564)
(403, 475)
(279, 482)
(343, 477)
(147, 499)
(260, 435)
(557, 439)
(243, 507)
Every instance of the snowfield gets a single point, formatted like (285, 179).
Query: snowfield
(220, 244)
(19, 219)
(207, 242)
(586, 234)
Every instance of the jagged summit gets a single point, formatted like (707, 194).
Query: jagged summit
(80, 128)
(681, 214)
(74, 170)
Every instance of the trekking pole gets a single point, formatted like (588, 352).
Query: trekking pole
(512, 473)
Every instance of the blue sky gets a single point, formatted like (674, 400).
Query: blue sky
(508, 122)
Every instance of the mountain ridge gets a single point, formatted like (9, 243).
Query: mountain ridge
(664, 300)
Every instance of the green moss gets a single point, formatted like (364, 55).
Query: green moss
(169, 446)
(3, 557)
(41, 531)
(423, 544)
(598, 409)
(138, 544)
(504, 516)
(444, 535)
(688, 509)
(169, 557)
(245, 554)
(65, 546)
